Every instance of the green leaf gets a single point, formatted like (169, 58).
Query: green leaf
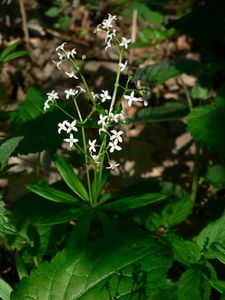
(5, 290)
(7, 148)
(133, 202)
(20, 267)
(52, 194)
(213, 232)
(9, 49)
(70, 178)
(162, 71)
(217, 284)
(15, 55)
(102, 268)
(167, 291)
(193, 284)
(167, 112)
(52, 12)
(219, 251)
(176, 212)
(185, 252)
(5, 226)
(200, 92)
(206, 124)
(216, 176)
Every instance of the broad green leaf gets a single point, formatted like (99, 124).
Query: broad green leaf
(219, 251)
(213, 232)
(52, 12)
(102, 268)
(185, 252)
(70, 178)
(193, 284)
(52, 194)
(5, 290)
(217, 284)
(200, 92)
(167, 291)
(7, 148)
(167, 112)
(133, 202)
(160, 72)
(206, 124)
(216, 176)
(176, 212)
(9, 49)
(5, 226)
(15, 55)
(63, 23)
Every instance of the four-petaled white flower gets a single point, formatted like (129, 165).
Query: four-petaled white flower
(71, 53)
(116, 136)
(47, 104)
(112, 165)
(71, 140)
(102, 120)
(71, 74)
(61, 47)
(124, 42)
(114, 146)
(70, 92)
(53, 95)
(92, 145)
(62, 126)
(107, 23)
(71, 126)
(131, 98)
(123, 66)
(61, 56)
(109, 38)
(105, 96)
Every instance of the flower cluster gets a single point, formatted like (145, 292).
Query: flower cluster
(110, 138)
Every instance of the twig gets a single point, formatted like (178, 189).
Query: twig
(24, 24)
(133, 33)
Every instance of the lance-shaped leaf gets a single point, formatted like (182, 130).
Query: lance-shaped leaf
(70, 178)
(5, 226)
(134, 202)
(7, 148)
(102, 268)
(52, 194)
(5, 290)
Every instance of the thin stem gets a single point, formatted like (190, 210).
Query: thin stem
(195, 176)
(85, 150)
(66, 113)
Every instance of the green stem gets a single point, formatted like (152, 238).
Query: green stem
(195, 176)
(85, 150)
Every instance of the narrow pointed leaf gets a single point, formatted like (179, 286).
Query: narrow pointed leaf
(9, 49)
(70, 178)
(7, 148)
(133, 202)
(15, 55)
(52, 194)
(5, 290)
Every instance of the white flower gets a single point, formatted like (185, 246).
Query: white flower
(47, 104)
(105, 95)
(102, 120)
(53, 95)
(62, 126)
(71, 75)
(124, 43)
(71, 53)
(112, 165)
(70, 92)
(71, 140)
(96, 158)
(107, 23)
(61, 56)
(57, 63)
(61, 47)
(71, 126)
(131, 98)
(123, 66)
(92, 145)
(95, 95)
(81, 89)
(109, 38)
(114, 146)
(116, 136)
(119, 117)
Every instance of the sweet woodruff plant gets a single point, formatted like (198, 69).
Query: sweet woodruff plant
(109, 136)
